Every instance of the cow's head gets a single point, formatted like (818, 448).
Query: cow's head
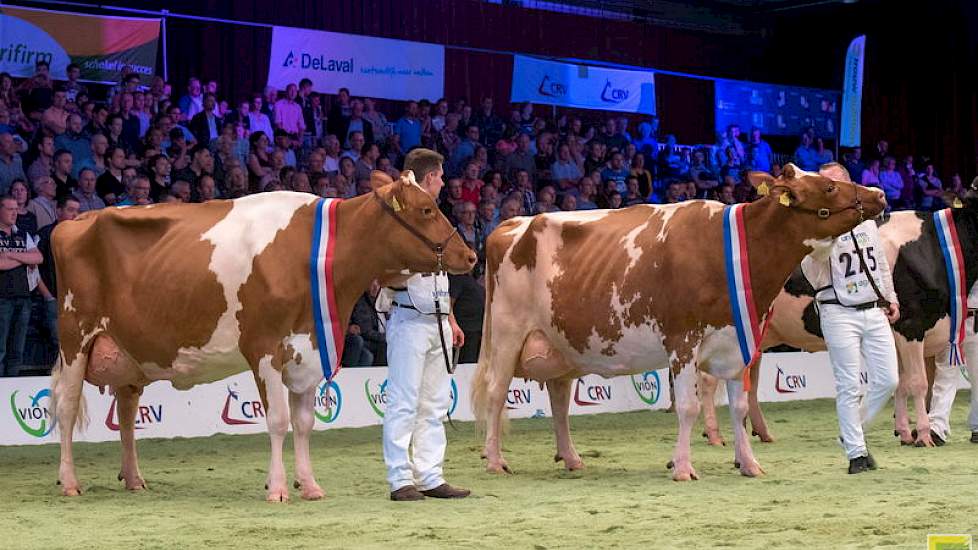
(421, 236)
(828, 200)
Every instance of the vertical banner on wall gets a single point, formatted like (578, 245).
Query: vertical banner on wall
(102, 46)
(368, 66)
(583, 86)
(852, 94)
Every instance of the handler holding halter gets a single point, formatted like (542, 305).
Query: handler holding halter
(418, 382)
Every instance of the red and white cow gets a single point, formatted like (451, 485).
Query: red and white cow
(615, 292)
(194, 293)
(921, 334)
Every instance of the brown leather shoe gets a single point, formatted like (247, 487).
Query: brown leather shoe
(406, 493)
(446, 491)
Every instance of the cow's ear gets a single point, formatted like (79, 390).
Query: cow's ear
(762, 181)
(835, 171)
(379, 179)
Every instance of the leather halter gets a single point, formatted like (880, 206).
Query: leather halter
(825, 213)
(438, 248)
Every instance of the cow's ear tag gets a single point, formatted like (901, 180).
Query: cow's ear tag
(763, 189)
(784, 199)
(395, 205)
(957, 203)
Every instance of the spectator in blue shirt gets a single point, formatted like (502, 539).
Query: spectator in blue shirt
(616, 172)
(806, 157)
(75, 142)
(409, 127)
(759, 153)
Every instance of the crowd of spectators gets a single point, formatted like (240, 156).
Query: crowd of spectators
(66, 149)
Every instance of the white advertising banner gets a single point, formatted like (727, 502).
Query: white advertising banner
(368, 66)
(358, 397)
(583, 86)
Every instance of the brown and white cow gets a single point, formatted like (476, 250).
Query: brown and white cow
(615, 292)
(920, 281)
(194, 293)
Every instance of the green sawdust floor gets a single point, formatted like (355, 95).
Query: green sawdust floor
(208, 492)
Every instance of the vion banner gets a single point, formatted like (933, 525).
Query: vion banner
(852, 94)
(102, 46)
(583, 86)
(372, 67)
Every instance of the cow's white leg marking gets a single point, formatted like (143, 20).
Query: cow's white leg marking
(560, 390)
(687, 409)
(301, 405)
(743, 454)
(277, 416)
(67, 389)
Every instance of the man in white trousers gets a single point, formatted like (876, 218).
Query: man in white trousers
(856, 303)
(418, 382)
(945, 386)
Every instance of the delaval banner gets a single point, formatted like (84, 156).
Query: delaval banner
(102, 46)
(583, 86)
(852, 94)
(368, 66)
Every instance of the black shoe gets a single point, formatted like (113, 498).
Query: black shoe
(870, 461)
(938, 440)
(858, 465)
(974, 437)
(406, 493)
(446, 491)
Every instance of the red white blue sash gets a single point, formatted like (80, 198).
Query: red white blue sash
(746, 320)
(947, 233)
(329, 332)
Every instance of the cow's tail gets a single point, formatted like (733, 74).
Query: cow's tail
(57, 379)
(484, 375)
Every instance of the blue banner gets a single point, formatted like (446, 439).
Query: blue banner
(775, 109)
(852, 94)
(583, 86)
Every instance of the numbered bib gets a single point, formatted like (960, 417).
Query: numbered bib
(850, 280)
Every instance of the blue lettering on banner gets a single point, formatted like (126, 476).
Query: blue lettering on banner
(318, 63)
(551, 88)
(611, 94)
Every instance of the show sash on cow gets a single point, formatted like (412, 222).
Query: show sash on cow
(192, 293)
(616, 292)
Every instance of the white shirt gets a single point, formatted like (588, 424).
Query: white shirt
(826, 268)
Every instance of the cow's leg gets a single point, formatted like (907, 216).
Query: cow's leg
(706, 391)
(687, 409)
(914, 370)
(496, 404)
(560, 391)
(127, 404)
(757, 422)
(901, 416)
(303, 418)
(743, 454)
(270, 385)
(66, 386)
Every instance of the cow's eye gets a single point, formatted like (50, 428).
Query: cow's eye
(831, 189)
(426, 211)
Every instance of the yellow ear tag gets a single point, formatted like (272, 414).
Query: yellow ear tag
(395, 205)
(784, 199)
(957, 203)
(763, 189)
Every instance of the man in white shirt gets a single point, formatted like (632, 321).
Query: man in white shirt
(945, 386)
(856, 303)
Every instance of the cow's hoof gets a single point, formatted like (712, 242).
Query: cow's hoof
(136, 484)
(280, 494)
(764, 436)
(736, 464)
(71, 491)
(684, 473)
(669, 465)
(751, 469)
(499, 467)
(312, 491)
(571, 464)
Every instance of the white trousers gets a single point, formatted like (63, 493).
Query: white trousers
(946, 386)
(418, 398)
(854, 337)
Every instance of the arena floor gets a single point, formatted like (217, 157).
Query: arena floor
(208, 492)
